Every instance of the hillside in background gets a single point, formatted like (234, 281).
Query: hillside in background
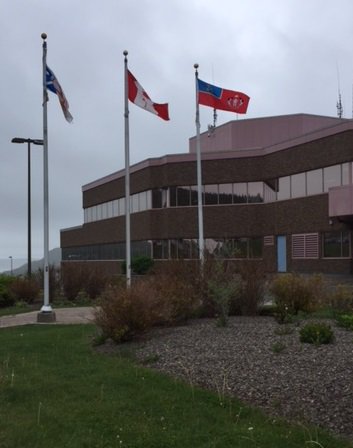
(54, 259)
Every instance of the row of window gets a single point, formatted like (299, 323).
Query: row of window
(168, 249)
(334, 245)
(314, 182)
(298, 185)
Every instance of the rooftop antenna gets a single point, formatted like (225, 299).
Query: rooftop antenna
(212, 127)
(339, 102)
(339, 106)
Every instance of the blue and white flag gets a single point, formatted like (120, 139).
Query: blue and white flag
(53, 85)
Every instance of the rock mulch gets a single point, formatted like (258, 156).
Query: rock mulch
(250, 360)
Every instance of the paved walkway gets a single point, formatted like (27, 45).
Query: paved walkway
(81, 315)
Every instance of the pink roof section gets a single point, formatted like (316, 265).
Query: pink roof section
(247, 138)
(261, 132)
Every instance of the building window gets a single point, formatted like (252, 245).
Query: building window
(235, 248)
(255, 192)
(142, 201)
(183, 196)
(160, 249)
(314, 184)
(110, 209)
(121, 206)
(298, 185)
(332, 177)
(255, 248)
(115, 204)
(189, 249)
(211, 194)
(336, 244)
(240, 193)
(305, 245)
(270, 192)
(240, 248)
(159, 198)
(173, 248)
(172, 196)
(226, 193)
(346, 173)
(283, 188)
(134, 203)
(194, 195)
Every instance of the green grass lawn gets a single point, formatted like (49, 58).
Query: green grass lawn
(56, 391)
(22, 308)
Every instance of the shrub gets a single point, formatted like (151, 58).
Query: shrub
(26, 289)
(127, 313)
(72, 278)
(284, 330)
(95, 283)
(252, 292)
(345, 321)
(6, 296)
(342, 299)
(278, 347)
(177, 284)
(316, 333)
(293, 293)
(139, 265)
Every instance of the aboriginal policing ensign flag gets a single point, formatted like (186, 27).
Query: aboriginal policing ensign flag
(222, 99)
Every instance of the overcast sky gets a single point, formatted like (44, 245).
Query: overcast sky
(289, 56)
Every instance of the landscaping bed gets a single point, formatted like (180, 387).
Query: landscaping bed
(262, 363)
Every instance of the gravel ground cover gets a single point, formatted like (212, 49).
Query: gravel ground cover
(250, 360)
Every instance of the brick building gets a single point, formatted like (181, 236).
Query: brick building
(277, 190)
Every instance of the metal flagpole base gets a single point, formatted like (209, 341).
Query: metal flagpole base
(46, 315)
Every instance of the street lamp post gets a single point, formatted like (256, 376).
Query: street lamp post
(35, 142)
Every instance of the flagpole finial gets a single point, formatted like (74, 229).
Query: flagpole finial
(43, 36)
(125, 53)
(196, 66)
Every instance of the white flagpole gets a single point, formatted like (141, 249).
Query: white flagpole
(199, 174)
(127, 178)
(46, 308)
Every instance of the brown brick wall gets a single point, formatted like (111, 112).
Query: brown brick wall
(302, 215)
(312, 155)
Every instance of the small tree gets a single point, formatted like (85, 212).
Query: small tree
(223, 287)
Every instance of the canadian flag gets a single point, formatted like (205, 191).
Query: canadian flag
(138, 96)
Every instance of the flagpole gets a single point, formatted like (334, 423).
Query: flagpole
(127, 176)
(46, 313)
(199, 174)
